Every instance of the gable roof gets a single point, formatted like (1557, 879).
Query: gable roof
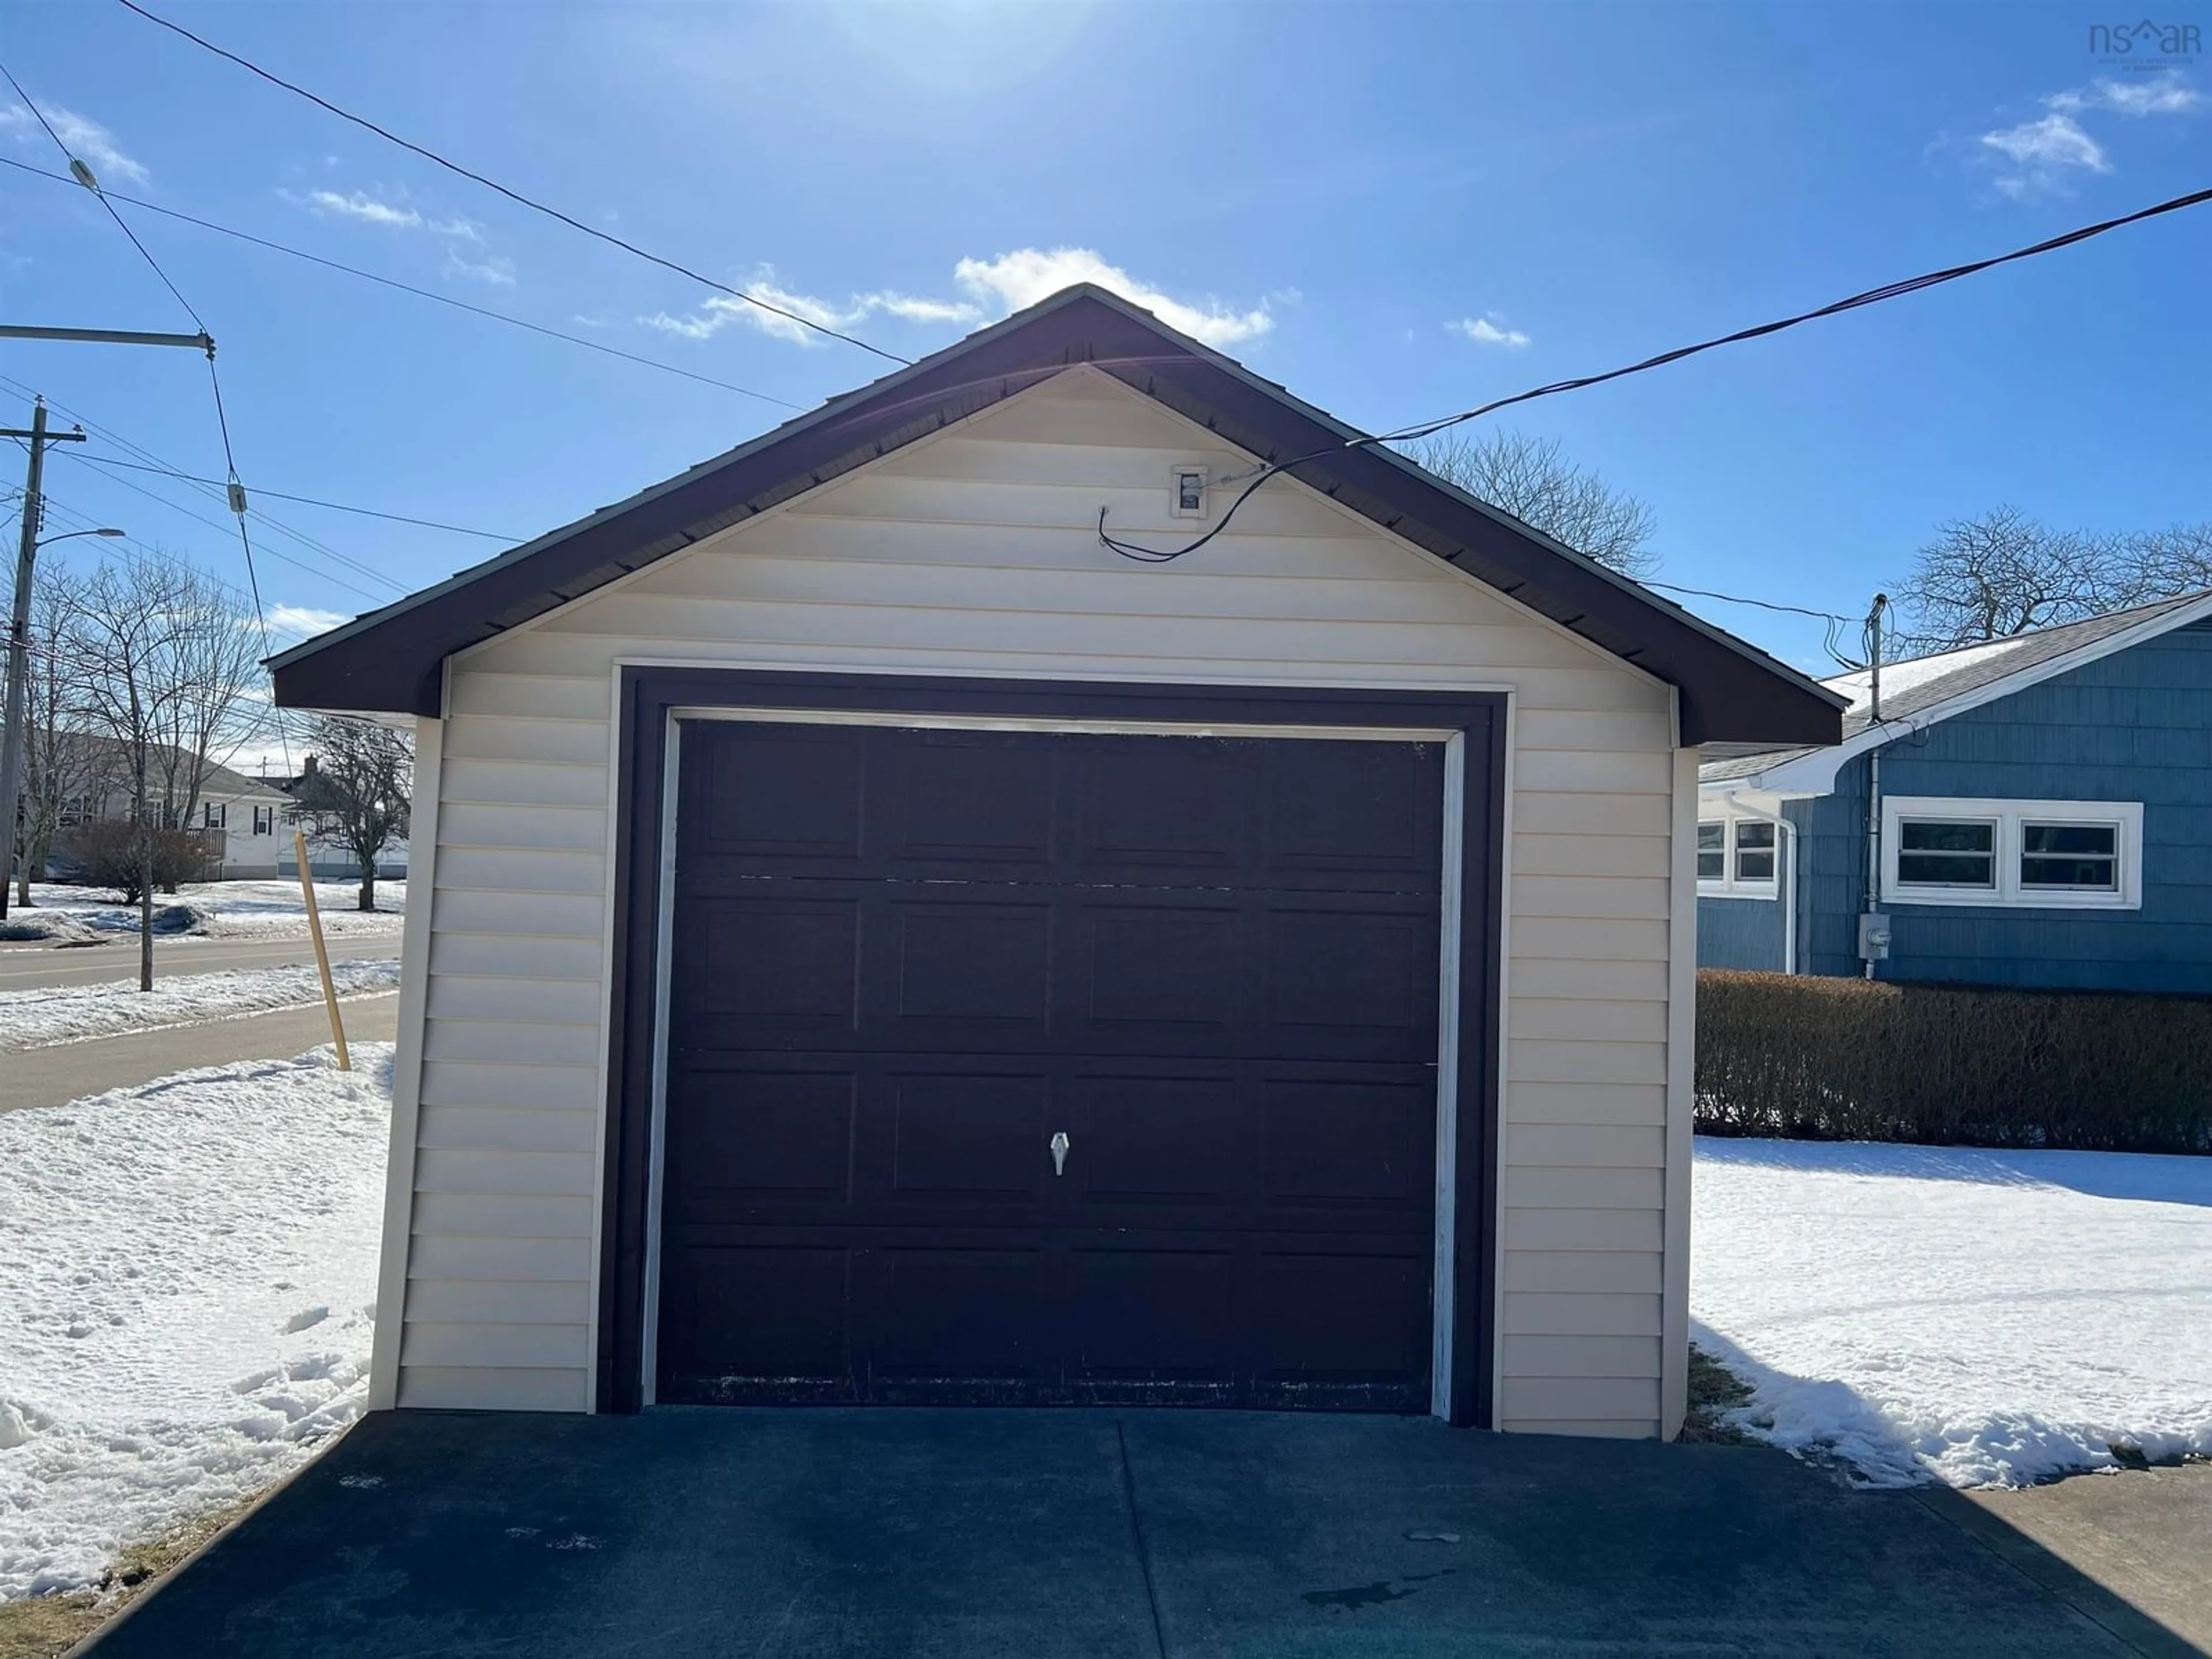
(217, 782)
(1920, 691)
(389, 661)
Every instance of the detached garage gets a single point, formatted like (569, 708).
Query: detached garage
(872, 941)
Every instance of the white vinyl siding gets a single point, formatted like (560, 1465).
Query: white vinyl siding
(974, 552)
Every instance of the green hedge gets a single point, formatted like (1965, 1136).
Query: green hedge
(1847, 1059)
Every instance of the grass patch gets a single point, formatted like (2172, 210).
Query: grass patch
(1714, 1390)
(45, 1626)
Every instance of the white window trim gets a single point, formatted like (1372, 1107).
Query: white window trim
(2123, 815)
(1729, 886)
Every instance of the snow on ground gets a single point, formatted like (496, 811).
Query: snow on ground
(1980, 1318)
(216, 909)
(190, 1272)
(71, 1013)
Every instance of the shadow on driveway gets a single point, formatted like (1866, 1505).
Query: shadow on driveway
(969, 1535)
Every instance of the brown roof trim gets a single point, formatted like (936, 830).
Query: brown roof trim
(389, 661)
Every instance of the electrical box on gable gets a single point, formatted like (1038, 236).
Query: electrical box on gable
(1186, 492)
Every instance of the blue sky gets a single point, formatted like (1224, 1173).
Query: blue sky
(1396, 211)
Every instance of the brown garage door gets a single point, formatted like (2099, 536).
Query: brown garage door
(1050, 1067)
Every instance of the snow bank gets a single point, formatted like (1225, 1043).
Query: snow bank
(1980, 1318)
(70, 1014)
(191, 1269)
(227, 909)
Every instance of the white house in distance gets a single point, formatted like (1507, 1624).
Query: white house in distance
(242, 818)
(874, 941)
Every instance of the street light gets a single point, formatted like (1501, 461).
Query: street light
(105, 530)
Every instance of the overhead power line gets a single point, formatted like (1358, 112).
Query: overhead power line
(236, 488)
(515, 195)
(285, 558)
(215, 491)
(86, 179)
(305, 500)
(1763, 605)
(408, 287)
(1427, 429)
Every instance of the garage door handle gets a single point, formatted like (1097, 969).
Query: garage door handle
(1058, 1151)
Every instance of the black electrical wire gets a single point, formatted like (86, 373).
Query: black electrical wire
(408, 287)
(1427, 429)
(209, 487)
(513, 196)
(237, 488)
(1763, 605)
(154, 263)
(304, 501)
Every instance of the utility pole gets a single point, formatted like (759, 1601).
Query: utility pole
(1874, 926)
(19, 630)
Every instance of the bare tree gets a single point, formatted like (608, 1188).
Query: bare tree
(1530, 478)
(355, 791)
(67, 771)
(151, 649)
(2175, 560)
(2001, 573)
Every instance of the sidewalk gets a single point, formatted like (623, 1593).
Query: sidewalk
(70, 1071)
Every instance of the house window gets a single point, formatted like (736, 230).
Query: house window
(1754, 852)
(1712, 851)
(265, 820)
(2075, 857)
(76, 810)
(1737, 858)
(214, 814)
(1946, 853)
(2036, 854)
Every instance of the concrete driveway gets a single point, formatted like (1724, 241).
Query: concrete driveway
(1126, 1535)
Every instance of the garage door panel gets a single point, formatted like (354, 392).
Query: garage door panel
(1159, 1314)
(1158, 1141)
(969, 798)
(735, 1316)
(1329, 1320)
(1154, 807)
(1181, 965)
(1334, 1144)
(984, 962)
(784, 958)
(788, 795)
(948, 1315)
(1345, 971)
(745, 1138)
(962, 1134)
(1354, 807)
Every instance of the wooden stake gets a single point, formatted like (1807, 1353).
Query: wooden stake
(322, 955)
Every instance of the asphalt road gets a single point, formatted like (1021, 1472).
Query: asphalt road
(63, 1072)
(36, 967)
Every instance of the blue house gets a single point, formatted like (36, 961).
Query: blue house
(2035, 811)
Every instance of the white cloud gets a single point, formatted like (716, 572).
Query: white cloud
(1029, 275)
(372, 210)
(303, 620)
(2045, 154)
(1489, 329)
(2159, 95)
(718, 311)
(85, 138)
(493, 268)
(995, 288)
